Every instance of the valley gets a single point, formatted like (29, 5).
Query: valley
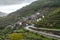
(38, 21)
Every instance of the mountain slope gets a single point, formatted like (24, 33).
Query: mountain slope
(42, 6)
(52, 20)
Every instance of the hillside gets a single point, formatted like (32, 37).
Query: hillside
(42, 6)
(16, 27)
(52, 20)
(2, 14)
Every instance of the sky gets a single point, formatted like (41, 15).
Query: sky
(11, 8)
(8, 6)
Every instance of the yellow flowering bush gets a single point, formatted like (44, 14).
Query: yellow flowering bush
(16, 36)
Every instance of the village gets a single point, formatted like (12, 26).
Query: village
(28, 20)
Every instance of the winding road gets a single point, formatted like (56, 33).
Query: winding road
(41, 32)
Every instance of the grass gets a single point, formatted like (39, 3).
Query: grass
(49, 29)
(32, 36)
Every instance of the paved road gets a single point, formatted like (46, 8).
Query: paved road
(42, 33)
(58, 30)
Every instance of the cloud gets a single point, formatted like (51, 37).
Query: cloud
(9, 2)
(11, 8)
(12, 5)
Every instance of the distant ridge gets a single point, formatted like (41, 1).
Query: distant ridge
(2, 14)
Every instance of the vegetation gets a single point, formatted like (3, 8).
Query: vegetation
(42, 6)
(52, 20)
(30, 36)
(16, 36)
(49, 8)
(22, 34)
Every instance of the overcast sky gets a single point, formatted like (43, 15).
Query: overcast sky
(9, 6)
